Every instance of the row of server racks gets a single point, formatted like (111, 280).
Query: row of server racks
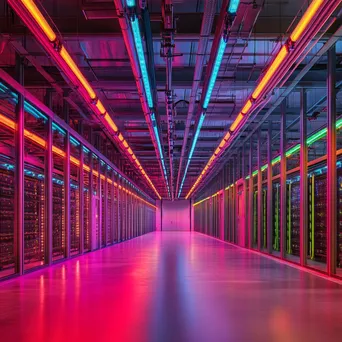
(227, 214)
(87, 205)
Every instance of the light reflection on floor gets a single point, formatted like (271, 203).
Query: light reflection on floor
(170, 287)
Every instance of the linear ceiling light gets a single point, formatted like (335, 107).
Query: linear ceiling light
(39, 18)
(306, 19)
(130, 3)
(141, 58)
(233, 6)
(214, 73)
(194, 142)
(69, 67)
(265, 80)
(271, 71)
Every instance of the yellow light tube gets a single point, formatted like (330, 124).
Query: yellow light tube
(110, 122)
(247, 107)
(236, 122)
(270, 72)
(307, 17)
(40, 20)
(99, 105)
(72, 65)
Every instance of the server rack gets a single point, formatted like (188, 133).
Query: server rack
(7, 206)
(276, 213)
(34, 216)
(36, 250)
(317, 239)
(293, 216)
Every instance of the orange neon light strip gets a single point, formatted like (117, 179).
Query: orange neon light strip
(99, 105)
(246, 107)
(307, 17)
(280, 57)
(72, 65)
(111, 123)
(51, 36)
(236, 123)
(5, 121)
(270, 72)
(40, 20)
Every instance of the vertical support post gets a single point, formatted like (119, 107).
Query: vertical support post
(332, 174)
(269, 189)
(81, 201)
(67, 195)
(233, 201)
(48, 194)
(259, 205)
(105, 223)
(91, 201)
(114, 225)
(250, 196)
(303, 180)
(19, 173)
(245, 209)
(99, 201)
(283, 180)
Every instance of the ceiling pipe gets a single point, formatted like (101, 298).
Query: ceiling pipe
(167, 51)
(129, 43)
(205, 37)
(326, 13)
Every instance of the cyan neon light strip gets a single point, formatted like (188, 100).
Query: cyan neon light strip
(194, 142)
(74, 141)
(142, 62)
(130, 3)
(310, 140)
(214, 73)
(233, 6)
(155, 129)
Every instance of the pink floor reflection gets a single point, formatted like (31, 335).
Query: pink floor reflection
(170, 287)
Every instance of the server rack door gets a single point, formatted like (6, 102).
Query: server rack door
(34, 189)
(95, 240)
(8, 187)
(241, 215)
(276, 213)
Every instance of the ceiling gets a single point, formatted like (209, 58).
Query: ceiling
(92, 34)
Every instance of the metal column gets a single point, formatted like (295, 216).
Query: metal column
(250, 196)
(259, 205)
(19, 173)
(332, 174)
(91, 202)
(303, 179)
(233, 238)
(48, 194)
(283, 180)
(81, 202)
(67, 195)
(243, 174)
(269, 189)
(105, 223)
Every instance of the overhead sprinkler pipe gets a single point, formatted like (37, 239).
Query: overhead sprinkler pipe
(312, 21)
(130, 28)
(207, 23)
(167, 51)
(46, 35)
(227, 16)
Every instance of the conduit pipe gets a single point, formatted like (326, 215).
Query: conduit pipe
(320, 11)
(129, 43)
(52, 42)
(205, 36)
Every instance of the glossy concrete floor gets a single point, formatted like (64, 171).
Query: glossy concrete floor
(171, 287)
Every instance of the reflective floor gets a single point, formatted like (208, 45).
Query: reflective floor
(171, 287)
